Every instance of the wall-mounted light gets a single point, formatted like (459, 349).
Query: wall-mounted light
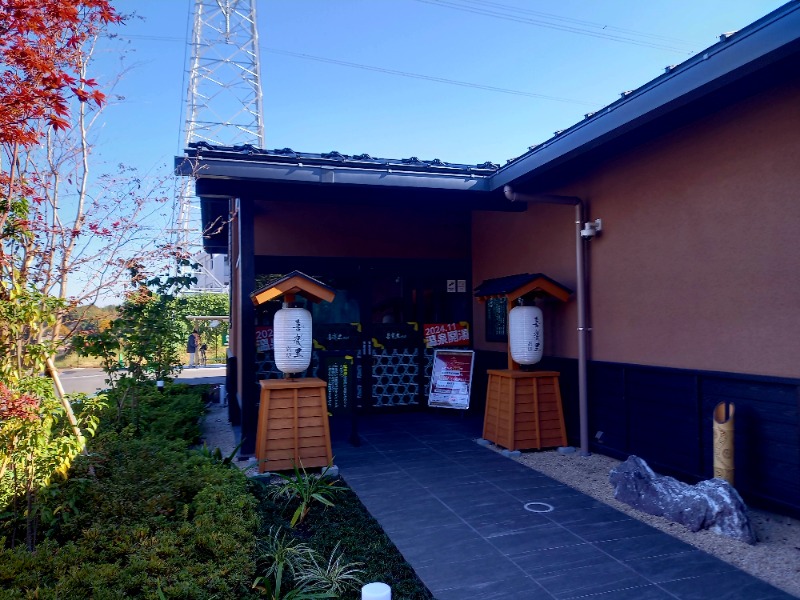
(591, 229)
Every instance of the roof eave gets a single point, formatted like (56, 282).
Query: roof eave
(235, 168)
(761, 44)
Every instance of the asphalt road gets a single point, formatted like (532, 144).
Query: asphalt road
(91, 380)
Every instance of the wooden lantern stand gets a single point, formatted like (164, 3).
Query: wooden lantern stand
(523, 408)
(293, 425)
(293, 429)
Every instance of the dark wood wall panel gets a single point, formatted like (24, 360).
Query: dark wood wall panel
(608, 412)
(665, 416)
(766, 434)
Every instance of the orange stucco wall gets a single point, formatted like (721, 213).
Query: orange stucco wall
(698, 264)
(301, 229)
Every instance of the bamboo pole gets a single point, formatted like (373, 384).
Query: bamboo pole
(723, 441)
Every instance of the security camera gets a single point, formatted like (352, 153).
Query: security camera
(591, 229)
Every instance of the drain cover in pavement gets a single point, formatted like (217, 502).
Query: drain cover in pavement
(538, 507)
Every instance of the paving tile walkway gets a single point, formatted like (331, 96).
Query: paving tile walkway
(476, 525)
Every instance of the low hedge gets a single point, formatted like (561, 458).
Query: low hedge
(204, 552)
(153, 515)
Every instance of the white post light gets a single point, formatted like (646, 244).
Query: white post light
(292, 339)
(376, 591)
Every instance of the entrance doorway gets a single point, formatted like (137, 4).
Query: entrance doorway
(369, 343)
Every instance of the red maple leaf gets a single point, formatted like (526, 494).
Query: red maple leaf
(40, 60)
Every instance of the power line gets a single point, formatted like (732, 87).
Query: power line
(479, 86)
(554, 17)
(538, 23)
(387, 71)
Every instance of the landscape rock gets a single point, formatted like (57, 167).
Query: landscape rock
(711, 504)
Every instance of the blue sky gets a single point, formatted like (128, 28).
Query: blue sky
(314, 106)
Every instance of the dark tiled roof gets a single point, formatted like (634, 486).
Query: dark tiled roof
(360, 161)
(276, 280)
(315, 292)
(683, 69)
(768, 40)
(501, 286)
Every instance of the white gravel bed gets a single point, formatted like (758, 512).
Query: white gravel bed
(775, 558)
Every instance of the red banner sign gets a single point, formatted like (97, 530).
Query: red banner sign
(438, 335)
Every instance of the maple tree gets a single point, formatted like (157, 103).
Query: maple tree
(58, 223)
(42, 56)
(41, 52)
(67, 232)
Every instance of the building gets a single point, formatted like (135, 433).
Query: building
(692, 283)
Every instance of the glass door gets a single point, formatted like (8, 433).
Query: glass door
(394, 344)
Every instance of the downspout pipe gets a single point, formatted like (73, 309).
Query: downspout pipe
(583, 409)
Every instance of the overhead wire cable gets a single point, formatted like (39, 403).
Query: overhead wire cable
(576, 30)
(690, 45)
(396, 72)
(480, 86)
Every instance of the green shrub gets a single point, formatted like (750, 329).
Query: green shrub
(206, 553)
(306, 489)
(37, 447)
(147, 516)
(144, 512)
(172, 414)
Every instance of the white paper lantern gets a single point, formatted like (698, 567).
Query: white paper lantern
(292, 340)
(525, 334)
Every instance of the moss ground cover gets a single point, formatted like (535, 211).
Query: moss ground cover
(143, 512)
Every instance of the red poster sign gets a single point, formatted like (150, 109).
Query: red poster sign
(439, 335)
(451, 379)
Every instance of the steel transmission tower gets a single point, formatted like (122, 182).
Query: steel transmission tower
(223, 102)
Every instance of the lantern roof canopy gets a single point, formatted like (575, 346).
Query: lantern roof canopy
(517, 286)
(293, 284)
